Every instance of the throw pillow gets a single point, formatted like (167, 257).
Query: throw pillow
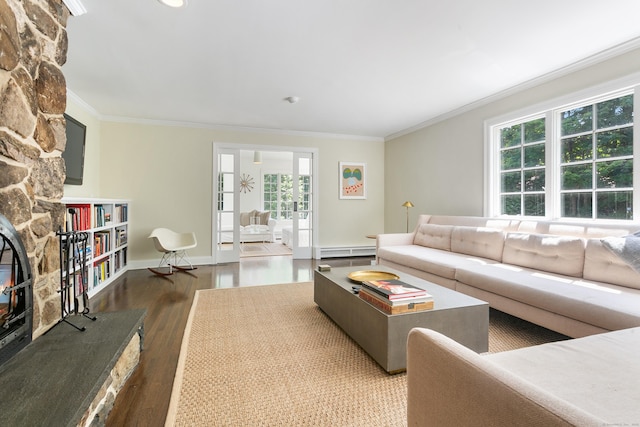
(627, 248)
(245, 218)
(264, 217)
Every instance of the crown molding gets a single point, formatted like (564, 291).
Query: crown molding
(75, 7)
(231, 128)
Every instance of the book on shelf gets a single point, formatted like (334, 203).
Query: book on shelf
(120, 213)
(384, 306)
(121, 237)
(98, 214)
(78, 217)
(102, 242)
(393, 289)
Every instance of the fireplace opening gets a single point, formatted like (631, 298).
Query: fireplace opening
(16, 297)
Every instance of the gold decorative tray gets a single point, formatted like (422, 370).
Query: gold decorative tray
(364, 275)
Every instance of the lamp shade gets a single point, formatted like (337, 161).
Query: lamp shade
(257, 157)
(407, 204)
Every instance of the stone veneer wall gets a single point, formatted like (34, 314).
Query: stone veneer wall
(33, 48)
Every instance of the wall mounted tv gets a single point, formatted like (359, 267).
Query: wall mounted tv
(73, 154)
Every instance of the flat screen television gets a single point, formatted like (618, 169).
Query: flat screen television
(73, 154)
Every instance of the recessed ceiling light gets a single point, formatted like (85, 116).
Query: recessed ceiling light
(174, 3)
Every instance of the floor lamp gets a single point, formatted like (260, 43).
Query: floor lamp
(407, 205)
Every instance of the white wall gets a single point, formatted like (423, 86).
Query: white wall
(166, 172)
(440, 168)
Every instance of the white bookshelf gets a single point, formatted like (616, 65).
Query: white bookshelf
(107, 223)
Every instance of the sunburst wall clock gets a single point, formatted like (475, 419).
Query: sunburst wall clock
(246, 183)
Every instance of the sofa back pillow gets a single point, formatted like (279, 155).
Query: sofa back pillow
(603, 265)
(245, 218)
(555, 254)
(263, 217)
(434, 236)
(478, 241)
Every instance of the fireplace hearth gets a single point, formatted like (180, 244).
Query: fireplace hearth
(16, 297)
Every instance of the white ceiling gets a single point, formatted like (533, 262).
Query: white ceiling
(370, 68)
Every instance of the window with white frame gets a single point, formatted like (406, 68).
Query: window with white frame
(572, 161)
(522, 168)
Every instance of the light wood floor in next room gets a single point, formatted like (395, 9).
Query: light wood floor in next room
(144, 400)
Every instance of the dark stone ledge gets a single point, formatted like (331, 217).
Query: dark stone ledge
(54, 379)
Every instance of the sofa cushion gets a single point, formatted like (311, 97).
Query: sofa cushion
(478, 241)
(601, 264)
(604, 366)
(434, 261)
(609, 306)
(555, 254)
(434, 236)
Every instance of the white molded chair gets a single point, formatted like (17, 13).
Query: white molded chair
(174, 249)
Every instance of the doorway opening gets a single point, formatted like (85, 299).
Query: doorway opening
(264, 202)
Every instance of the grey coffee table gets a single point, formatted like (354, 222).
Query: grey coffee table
(384, 337)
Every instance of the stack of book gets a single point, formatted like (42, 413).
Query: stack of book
(395, 296)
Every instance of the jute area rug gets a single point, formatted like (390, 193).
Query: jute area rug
(268, 356)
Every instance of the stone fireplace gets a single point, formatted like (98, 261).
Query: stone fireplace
(33, 47)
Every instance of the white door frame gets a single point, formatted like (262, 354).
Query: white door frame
(219, 147)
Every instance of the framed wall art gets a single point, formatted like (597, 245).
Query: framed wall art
(353, 180)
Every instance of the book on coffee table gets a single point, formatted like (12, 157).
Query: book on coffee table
(385, 305)
(398, 301)
(393, 289)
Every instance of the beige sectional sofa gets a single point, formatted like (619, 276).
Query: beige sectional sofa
(591, 381)
(558, 275)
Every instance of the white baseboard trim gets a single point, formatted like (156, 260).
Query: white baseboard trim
(321, 252)
(346, 251)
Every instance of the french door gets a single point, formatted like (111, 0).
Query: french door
(226, 201)
(226, 207)
(303, 206)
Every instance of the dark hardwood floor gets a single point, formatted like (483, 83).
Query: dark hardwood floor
(144, 400)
